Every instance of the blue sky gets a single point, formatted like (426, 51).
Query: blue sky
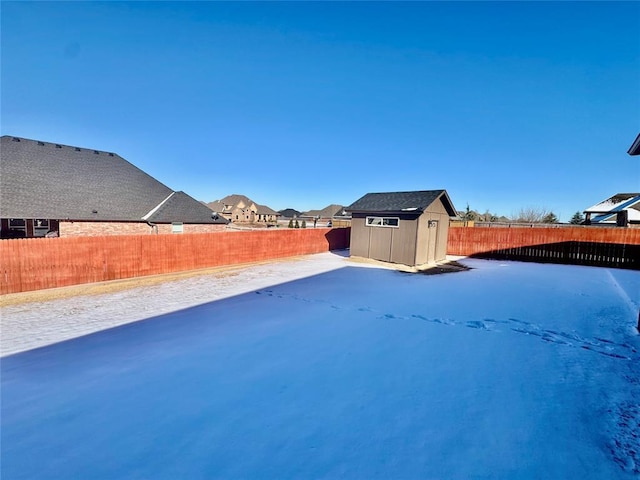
(505, 105)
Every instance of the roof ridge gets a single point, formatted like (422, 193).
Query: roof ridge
(56, 144)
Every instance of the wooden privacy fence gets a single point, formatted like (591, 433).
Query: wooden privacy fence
(600, 246)
(39, 263)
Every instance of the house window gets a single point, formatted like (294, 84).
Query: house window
(177, 227)
(18, 226)
(40, 227)
(383, 222)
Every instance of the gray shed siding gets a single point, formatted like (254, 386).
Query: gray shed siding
(380, 241)
(397, 245)
(359, 237)
(403, 246)
(436, 237)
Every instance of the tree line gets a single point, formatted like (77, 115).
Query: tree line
(524, 215)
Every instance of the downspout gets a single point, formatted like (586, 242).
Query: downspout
(154, 226)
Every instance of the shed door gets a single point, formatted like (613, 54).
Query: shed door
(433, 241)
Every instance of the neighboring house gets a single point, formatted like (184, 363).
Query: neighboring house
(622, 210)
(49, 189)
(635, 147)
(241, 209)
(410, 228)
(289, 213)
(265, 214)
(341, 218)
(325, 216)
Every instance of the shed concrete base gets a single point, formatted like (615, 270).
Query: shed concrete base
(444, 266)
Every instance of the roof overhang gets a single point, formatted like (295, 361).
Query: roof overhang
(635, 147)
(611, 206)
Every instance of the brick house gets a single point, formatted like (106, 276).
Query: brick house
(48, 189)
(241, 209)
(334, 215)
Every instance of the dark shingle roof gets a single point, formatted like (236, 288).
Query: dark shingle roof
(184, 208)
(49, 180)
(235, 199)
(327, 212)
(289, 213)
(264, 210)
(216, 206)
(401, 202)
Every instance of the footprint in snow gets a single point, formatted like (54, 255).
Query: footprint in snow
(476, 324)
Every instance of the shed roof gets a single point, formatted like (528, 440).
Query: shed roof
(401, 202)
(49, 180)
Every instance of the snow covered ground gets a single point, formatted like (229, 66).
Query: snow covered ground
(323, 368)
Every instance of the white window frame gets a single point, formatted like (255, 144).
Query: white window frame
(177, 227)
(383, 222)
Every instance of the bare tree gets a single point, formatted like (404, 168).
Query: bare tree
(535, 215)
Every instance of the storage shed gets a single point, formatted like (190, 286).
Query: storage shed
(410, 228)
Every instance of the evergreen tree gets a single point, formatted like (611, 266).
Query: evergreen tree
(304, 224)
(469, 214)
(291, 223)
(577, 218)
(550, 218)
(297, 225)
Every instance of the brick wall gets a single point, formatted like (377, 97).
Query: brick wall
(99, 229)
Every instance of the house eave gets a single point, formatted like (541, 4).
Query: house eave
(635, 147)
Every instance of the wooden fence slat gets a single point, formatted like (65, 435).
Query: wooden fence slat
(32, 264)
(615, 247)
